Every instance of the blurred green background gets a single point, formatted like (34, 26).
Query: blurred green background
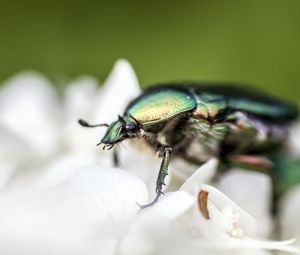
(256, 42)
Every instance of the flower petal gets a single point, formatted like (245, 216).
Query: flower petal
(14, 152)
(204, 174)
(60, 171)
(29, 107)
(289, 214)
(238, 185)
(79, 103)
(248, 246)
(172, 205)
(154, 225)
(140, 160)
(120, 87)
(34, 223)
(226, 219)
(105, 196)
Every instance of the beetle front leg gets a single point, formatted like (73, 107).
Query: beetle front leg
(165, 152)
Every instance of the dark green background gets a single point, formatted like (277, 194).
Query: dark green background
(257, 42)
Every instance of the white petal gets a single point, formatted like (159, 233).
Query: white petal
(238, 185)
(204, 174)
(60, 171)
(14, 152)
(289, 214)
(32, 223)
(105, 197)
(248, 246)
(154, 225)
(120, 87)
(261, 244)
(79, 103)
(139, 159)
(172, 205)
(28, 106)
(69, 210)
(180, 170)
(225, 217)
(101, 203)
(79, 97)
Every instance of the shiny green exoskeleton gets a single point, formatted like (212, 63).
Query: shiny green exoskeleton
(197, 122)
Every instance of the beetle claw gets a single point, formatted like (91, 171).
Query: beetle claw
(142, 207)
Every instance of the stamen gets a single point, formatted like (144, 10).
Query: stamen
(202, 203)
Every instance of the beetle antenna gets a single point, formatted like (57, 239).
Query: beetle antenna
(86, 124)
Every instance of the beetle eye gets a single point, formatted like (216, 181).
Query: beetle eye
(130, 128)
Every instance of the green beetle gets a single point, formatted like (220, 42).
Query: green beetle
(197, 122)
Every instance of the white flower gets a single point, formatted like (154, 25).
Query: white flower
(93, 211)
(221, 224)
(238, 185)
(29, 107)
(33, 116)
(289, 214)
(60, 194)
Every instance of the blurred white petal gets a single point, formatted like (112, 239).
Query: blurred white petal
(79, 102)
(142, 161)
(103, 200)
(120, 87)
(79, 97)
(87, 213)
(61, 170)
(180, 170)
(228, 227)
(105, 196)
(238, 185)
(226, 219)
(172, 205)
(14, 153)
(203, 174)
(72, 201)
(289, 214)
(29, 107)
(32, 223)
(154, 225)
(248, 246)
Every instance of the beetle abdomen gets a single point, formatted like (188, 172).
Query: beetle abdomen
(238, 98)
(276, 112)
(252, 102)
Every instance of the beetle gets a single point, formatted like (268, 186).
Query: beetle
(200, 121)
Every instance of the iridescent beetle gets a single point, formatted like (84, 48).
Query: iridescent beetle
(197, 122)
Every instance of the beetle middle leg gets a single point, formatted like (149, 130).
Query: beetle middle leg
(116, 159)
(165, 152)
(252, 162)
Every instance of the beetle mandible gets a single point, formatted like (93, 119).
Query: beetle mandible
(199, 121)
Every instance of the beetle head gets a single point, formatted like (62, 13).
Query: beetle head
(125, 127)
